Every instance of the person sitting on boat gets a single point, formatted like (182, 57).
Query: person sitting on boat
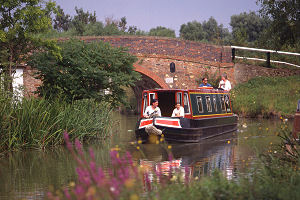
(225, 83)
(178, 111)
(204, 83)
(152, 110)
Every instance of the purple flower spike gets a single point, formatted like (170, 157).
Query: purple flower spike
(78, 147)
(67, 140)
(93, 166)
(67, 194)
(92, 155)
(187, 174)
(79, 190)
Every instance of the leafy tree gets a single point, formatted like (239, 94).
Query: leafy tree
(62, 21)
(192, 31)
(132, 30)
(206, 31)
(86, 70)
(285, 20)
(81, 19)
(162, 31)
(249, 24)
(95, 29)
(214, 32)
(20, 20)
(122, 24)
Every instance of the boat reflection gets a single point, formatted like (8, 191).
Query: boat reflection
(194, 160)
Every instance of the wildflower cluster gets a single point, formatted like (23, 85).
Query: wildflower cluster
(124, 180)
(95, 183)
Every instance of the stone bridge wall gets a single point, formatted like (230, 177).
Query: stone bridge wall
(192, 61)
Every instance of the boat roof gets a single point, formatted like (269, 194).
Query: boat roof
(199, 89)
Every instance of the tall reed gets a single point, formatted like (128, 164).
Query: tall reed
(38, 123)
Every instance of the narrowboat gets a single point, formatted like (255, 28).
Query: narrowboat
(207, 114)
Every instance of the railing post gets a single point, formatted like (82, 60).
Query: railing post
(233, 54)
(268, 59)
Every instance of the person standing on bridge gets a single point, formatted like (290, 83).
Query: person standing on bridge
(225, 83)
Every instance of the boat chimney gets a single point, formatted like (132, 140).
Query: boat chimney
(296, 126)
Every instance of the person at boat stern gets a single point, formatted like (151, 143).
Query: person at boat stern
(152, 110)
(205, 83)
(178, 111)
(225, 83)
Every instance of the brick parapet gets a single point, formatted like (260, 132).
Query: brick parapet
(172, 48)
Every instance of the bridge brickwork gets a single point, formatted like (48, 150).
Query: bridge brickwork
(192, 59)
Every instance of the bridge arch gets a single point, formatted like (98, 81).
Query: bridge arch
(149, 80)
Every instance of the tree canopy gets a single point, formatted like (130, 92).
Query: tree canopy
(249, 24)
(162, 32)
(86, 70)
(285, 21)
(20, 20)
(206, 31)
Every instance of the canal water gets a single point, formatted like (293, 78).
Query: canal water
(30, 174)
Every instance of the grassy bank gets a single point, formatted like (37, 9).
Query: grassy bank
(38, 123)
(267, 97)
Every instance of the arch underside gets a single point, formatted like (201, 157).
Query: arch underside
(145, 83)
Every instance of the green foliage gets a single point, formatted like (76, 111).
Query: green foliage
(39, 123)
(192, 31)
(284, 27)
(20, 21)
(162, 31)
(207, 31)
(248, 26)
(62, 21)
(81, 19)
(86, 70)
(267, 96)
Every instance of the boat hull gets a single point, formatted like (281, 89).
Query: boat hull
(188, 130)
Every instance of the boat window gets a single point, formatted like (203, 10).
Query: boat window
(186, 103)
(151, 97)
(222, 103)
(200, 104)
(208, 104)
(227, 103)
(215, 103)
(144, 102)
(179, 98)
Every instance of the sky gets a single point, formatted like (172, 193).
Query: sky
(147, 14)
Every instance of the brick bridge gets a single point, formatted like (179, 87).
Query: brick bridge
(192, 60)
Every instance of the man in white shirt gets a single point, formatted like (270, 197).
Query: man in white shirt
(225, 83)
(178, 111)
(152, 110)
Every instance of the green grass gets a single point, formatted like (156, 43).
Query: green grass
(39, 123)
(267, 96)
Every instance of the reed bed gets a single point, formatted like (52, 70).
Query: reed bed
(39, 123)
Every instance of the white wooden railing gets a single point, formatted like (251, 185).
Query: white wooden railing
(268, 60)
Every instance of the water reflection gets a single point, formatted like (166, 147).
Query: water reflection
(199, 158)
(28, 174)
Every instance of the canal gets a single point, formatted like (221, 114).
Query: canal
(30, 174)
